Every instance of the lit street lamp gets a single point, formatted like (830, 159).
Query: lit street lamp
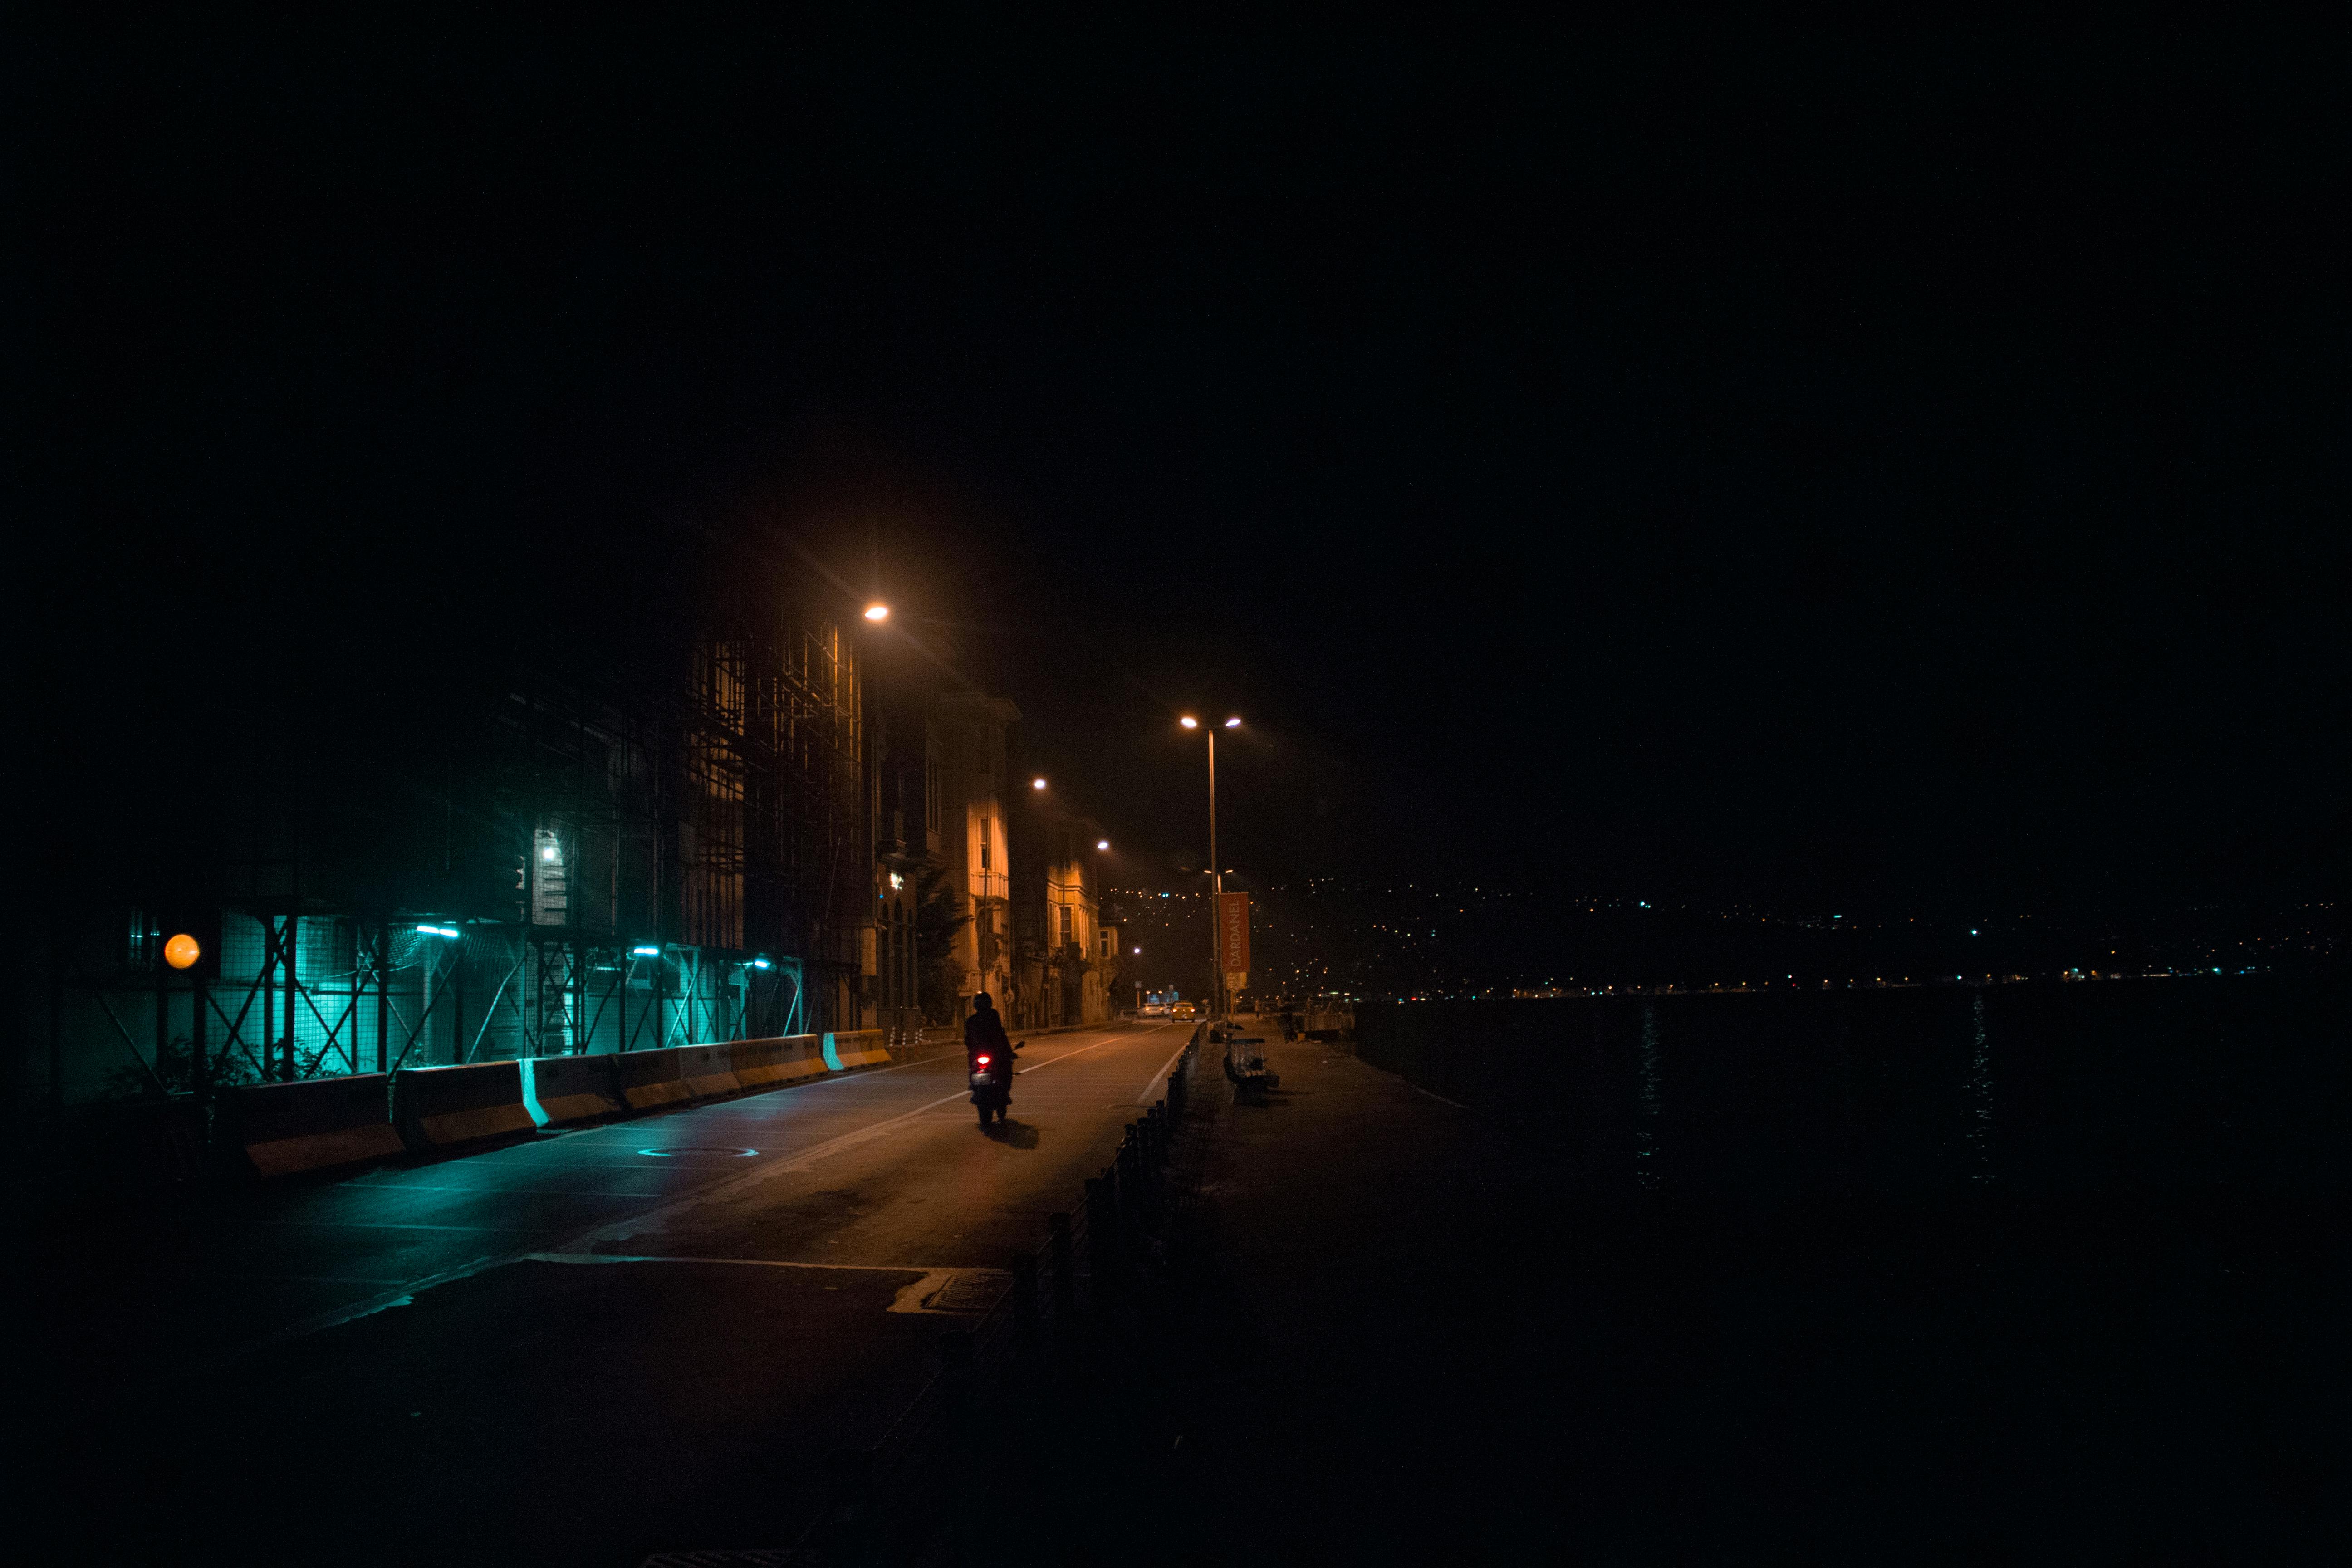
(877, 613)
(1217, 878)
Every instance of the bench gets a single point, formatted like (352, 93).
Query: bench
(1246, 1065)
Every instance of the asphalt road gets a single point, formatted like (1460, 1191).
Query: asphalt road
(579, 1349)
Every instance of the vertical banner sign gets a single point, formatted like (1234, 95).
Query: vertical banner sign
(1232, 937)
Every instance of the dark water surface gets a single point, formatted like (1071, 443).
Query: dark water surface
(2024, 1273)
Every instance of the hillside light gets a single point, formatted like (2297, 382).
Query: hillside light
(181, 951)
(877, 613)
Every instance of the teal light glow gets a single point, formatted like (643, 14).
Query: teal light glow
(831, 1060)
(645, 951)
(449, 932)
(530, 1091)
(760, 964)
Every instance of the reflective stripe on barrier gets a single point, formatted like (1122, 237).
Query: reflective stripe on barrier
(761, 1064)
(858, 1048)
(435, 1106)
(557, 1090)
(315, 1125)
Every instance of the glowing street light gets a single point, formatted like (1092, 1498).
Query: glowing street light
(877, 613)
(1217, 878)
(1037, 783)
(181, 951)
(1102, 843)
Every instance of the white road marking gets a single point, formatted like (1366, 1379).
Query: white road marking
(1165, 1068)
(1082, 1050)
(746, 1262)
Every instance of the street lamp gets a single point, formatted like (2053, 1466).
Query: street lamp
(877, 613)
(1217, 878)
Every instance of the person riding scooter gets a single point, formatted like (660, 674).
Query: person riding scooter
(987, 1053)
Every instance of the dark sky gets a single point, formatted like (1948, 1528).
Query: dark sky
(1905, 467)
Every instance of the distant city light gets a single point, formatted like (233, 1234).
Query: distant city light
(644, 952)
(878, 612)
(1139, 949)
(1037, 783)
(548, 853)
(1102, 843)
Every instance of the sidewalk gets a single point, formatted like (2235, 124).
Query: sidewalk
(1376, 1385)
(1338, 1369)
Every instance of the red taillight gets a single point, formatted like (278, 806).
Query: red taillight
(983, 1061)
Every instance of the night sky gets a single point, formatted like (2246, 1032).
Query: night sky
(1898, 467)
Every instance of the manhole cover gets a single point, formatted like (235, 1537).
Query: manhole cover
(697, 1149)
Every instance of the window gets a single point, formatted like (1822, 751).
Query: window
(930, 791)
(1066, 924)
(987, 833)
(1105, 945)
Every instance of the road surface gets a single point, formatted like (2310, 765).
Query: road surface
(641, 1336)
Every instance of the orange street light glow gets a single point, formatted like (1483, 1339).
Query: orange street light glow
(181, 951)
(1037, 783)
(878, 612)
(1102, 843)
(1232, 724)
(1189, 723)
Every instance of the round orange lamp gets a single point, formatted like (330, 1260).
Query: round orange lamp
(181, 951)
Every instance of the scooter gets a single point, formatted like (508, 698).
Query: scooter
(992, 1085)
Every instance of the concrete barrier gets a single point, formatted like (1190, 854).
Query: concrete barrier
(674, 1075)
(558, 1090)
(858, 1048)
(761, 1064)
(436, 1107)
(315, 1125)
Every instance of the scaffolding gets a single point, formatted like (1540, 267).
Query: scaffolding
(647, 839)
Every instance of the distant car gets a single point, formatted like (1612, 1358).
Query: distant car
(1184, 1010)
(1155, 1009)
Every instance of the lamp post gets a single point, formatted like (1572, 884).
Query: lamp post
(1216, 872)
